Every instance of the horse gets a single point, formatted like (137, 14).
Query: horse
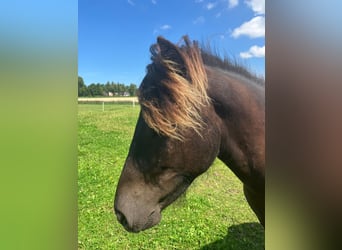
(195, 107)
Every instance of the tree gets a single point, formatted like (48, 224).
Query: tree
(100, 89)
(82, 88)
(95, 89)
(132, 89)
(108, 87)
(80, 82)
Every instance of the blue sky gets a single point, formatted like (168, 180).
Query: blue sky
(114, 36)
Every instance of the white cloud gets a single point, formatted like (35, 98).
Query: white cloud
(210, 5)
(218, 15)
(258, 6)
(165, 27)
(131, 2)
(253, 28)
(254, 51)
(233, 3)
(199, 20)
(154, 1)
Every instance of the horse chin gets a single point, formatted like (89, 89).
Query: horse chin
(155, 216)
(153, 219)
(171, 197)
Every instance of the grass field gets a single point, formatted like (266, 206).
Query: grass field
(212, 215)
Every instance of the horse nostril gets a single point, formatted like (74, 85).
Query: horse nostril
(121, 218)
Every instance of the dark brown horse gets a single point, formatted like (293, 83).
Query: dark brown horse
(194, 107)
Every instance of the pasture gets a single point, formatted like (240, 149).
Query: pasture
(213, 214)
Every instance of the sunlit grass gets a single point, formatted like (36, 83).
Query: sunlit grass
(213, 214)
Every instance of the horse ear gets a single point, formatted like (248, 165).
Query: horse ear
(171, 52)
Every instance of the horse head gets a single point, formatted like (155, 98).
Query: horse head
(175, 138)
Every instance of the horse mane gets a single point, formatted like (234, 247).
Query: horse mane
(174, 90)
(212, 58)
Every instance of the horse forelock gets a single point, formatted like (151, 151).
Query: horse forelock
(174, 91)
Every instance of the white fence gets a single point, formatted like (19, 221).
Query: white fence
(103, 100)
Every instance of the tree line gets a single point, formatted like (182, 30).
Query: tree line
(108, 89)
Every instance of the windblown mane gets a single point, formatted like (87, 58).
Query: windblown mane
(212, 58)
(174, 89)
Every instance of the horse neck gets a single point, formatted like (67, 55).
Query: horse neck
(239, 110)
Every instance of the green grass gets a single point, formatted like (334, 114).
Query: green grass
(212, 215)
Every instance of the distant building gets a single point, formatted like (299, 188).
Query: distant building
(110, 94)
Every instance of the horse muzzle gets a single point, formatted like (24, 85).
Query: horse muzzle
(135, 222)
